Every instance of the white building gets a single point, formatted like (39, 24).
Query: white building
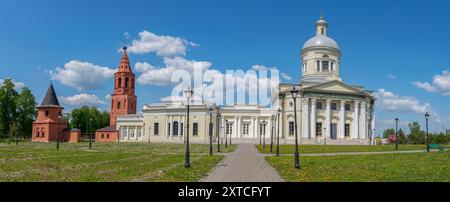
(329, 111)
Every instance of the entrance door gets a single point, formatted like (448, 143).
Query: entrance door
(333, 131)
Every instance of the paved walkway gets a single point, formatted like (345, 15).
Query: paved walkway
(245, 164)
(357, 153)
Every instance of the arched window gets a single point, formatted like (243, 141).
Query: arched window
(118, 105)
(37, 132)
(325, 56)
(46, 113)
(126, 82)
(318, 66)
(132, 83)
(322, 30)
(175, 128)
(119, 83)
(42, 132)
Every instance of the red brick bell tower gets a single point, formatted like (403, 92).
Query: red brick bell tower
(123, 100)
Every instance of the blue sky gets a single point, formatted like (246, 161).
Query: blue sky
(385, 44)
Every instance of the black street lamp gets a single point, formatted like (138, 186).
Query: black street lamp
(231, 132)
(226, 133)
(57, 136)
(218, 133)
(264, 133)
(396, 133)
(90, 133)
(188, 93)
(427, 116)
(271, 134)
(278, 132)
(294, 93)
(210, 131)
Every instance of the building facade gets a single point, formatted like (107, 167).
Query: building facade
(329, 111)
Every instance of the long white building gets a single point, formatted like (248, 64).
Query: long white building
(329, 111)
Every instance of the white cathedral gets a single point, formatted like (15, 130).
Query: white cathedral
(329, 111)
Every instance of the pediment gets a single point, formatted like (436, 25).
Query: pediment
(335, 87)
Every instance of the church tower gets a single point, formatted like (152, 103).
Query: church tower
(123, 100)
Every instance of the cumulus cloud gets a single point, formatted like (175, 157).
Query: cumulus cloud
(165, 46)
(151, 75)
(395, 103)
(82, 75)
(285, 76)
(80, 100)
(440, 84)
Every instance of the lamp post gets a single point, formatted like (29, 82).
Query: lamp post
(396, 133)
(57, 135)
(210, 131)
(90, 133)
(231, 132)
(294, 93)
(218, 135)
(188, 93)
(271, 134)
(226, 133)
(264, 133)
(427, 116)
(278, 132)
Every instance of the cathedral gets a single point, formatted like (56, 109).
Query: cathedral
(328, 110)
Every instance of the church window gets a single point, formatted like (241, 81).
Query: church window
(132, 132)
(325, 56)
(291, 128)
(46, 113)
(37, 132)
(107, 136)
(132, 83)
(291, 104)
(333, 106)
(126, 82)
(319, 105)
(103, 135)
(246, 128)
(347, 107)
(319, 129)
(175, 128)
(325, 66)
(119, 83)
(168, 129)
(318, 66)
(156, 129)
(181, 129)
(139, 132)
(347, 130)
(195, 129)
(118, 105)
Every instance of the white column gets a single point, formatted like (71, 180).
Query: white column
(305, 122)
(362, 121)
(128, 133)
(356, 120)
(313, 117)
(342, 120)
(328, 119)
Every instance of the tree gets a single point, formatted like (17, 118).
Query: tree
(417, 136)
(26, 112)
(79, 118)
(401, 136)
(388, 132)
(8, 109)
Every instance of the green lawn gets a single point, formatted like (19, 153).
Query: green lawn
(106, 162)
(414, 167)
(308, 149)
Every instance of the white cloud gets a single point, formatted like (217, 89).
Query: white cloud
(440, 84)
(17, 84)
(395, 103)
(151, 75)
(165, 46)
(82, 75)
(390, 76)
(285, 76)
(80, 100)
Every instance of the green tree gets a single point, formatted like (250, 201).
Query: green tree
(416, 136)
(26, 112)
(8, 109)
(388, 132)
(401, 136)
(80, 118)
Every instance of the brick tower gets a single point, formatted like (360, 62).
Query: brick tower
(123, 100)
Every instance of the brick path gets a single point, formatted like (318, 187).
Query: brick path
(245, 164)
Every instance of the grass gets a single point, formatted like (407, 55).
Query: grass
(416, 167)
(105, 162)
(308, 149)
